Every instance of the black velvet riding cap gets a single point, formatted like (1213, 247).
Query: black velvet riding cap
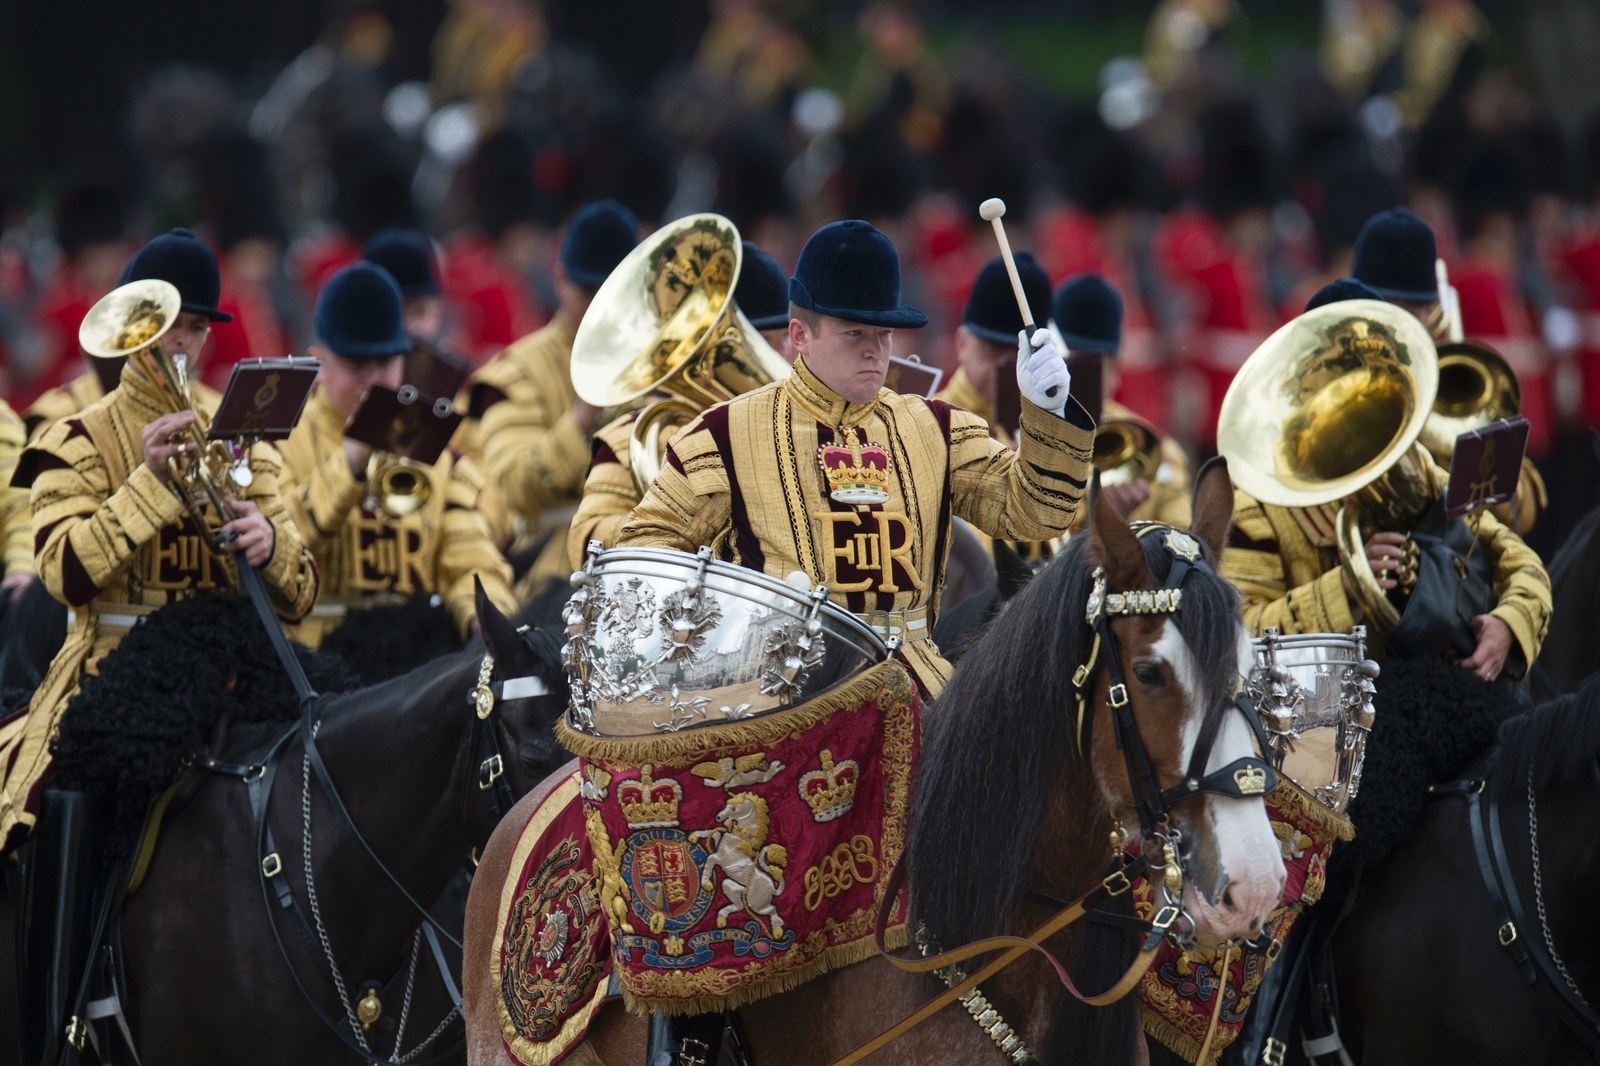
(850, 270)
(359, 314)
(991, 311)
(179, 257)
(408, 257)
(763, 290)
(1343, 289)
(1088, 313)
(598, 237)
(1395, 254)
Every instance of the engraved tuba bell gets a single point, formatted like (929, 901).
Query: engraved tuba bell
(1331, 407)
(665, 321)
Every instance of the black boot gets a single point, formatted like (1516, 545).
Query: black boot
(685, 1040)
(55, 923)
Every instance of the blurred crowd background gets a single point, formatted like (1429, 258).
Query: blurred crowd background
(1213, 158)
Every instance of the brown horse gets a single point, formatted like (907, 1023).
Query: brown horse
(1012, 807)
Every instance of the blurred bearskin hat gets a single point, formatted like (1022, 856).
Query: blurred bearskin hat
(750, 176)
(237, 196)
(1099, 169)
(92, 208)
(1492, 180)
(1238, 164)
(978, 156)
(502, 181)
(372, 173)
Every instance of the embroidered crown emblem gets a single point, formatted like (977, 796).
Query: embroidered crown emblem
(1250, 781)
(857, 472)
(648, 803)
(830, 791)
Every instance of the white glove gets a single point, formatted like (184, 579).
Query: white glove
(1041, 368)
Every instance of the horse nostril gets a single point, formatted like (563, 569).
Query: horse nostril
(1227, 898)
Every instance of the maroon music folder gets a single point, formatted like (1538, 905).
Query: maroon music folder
(264, 399)
(911, 376)
(404, 423)
(1485, 466)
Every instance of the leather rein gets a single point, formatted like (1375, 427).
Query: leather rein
(1541, 969)
(494, 792)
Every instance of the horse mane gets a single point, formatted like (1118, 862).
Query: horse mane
(1003, 728)
(160, 697)
(1558, 742)
(1001, 737)
(383, 642)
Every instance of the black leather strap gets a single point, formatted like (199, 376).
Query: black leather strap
(1512, 930)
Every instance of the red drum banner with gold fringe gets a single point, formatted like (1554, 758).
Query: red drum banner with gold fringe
(1180, 992)
(551, 964)
(738, 860)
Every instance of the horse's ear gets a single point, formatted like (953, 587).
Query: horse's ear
(1011, 571)
(1112, 543)
(497, 630)
(1213, 505)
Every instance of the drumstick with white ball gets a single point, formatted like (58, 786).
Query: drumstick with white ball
(992, 211)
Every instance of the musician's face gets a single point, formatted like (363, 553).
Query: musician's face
(851, 358)
(346, 381)
(187, 337)
(978, 358)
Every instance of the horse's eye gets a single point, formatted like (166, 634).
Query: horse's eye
(1147, 672)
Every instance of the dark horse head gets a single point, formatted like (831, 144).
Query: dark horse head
(1013, 798)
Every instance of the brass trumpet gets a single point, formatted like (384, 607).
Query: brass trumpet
(397, 486)
(1126, 450)
(129, 322)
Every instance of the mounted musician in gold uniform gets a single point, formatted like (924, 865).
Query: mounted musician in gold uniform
(532, 429)
(830, 474)
(730, 357)
(132, 508)
(373, 547)
(1396, 257)
(1145, 474)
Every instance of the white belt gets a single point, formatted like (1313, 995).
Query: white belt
(127, 618)
(335, 609)
(896, 623)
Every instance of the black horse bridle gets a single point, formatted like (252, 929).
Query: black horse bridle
(1243, 778)
(482, 747)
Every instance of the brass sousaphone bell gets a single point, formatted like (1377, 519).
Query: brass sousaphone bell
(1331, 407)
(665, 320)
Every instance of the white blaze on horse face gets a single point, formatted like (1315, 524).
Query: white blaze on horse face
(1248, 861)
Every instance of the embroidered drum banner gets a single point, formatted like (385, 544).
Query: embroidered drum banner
(741, 859)
(1179, 995)
(550, 964)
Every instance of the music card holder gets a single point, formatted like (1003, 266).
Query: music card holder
(1007, 399)
(1088, 369)
(1486, 465)
(1088, 377)
(264, 399)
(435, 370)
(909, 375)
(405, 423)
(108, 370)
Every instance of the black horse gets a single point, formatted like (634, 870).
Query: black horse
(1422, 976)
(216, 968)
(1571, 652)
